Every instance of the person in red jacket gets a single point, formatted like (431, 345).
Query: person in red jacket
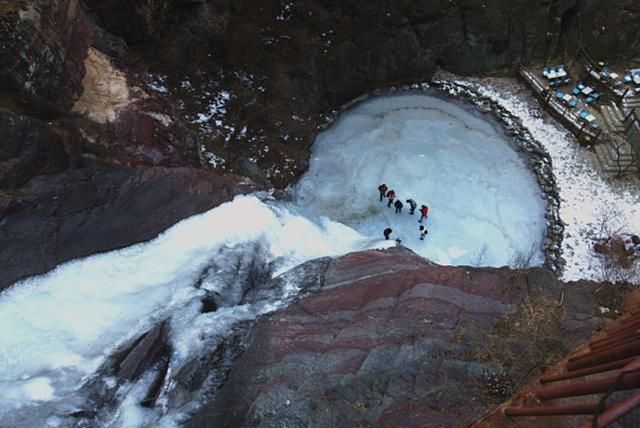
(383, 191)
(391, 195)
(424, 212)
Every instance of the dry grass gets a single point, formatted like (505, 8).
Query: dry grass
(458, 333)
(534, 323)
(535, 318)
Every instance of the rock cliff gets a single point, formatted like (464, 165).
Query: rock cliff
(393, 340)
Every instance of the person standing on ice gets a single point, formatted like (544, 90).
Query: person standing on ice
(423, 232)
(398, 206)
(391, 195)
(412, 205)
(383, 191)
(424, 213)
(387, 232)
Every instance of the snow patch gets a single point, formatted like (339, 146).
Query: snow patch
(157, 83)
(164, 119)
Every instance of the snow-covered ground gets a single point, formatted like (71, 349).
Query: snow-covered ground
(56, 330)
(592, 204)
(485, 204)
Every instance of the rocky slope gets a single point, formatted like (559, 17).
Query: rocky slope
(393, 340)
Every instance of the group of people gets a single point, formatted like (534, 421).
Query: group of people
(385, 192)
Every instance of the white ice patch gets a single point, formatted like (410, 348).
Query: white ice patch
(58, 328)
(216, 108)
(38, 389)
(286, 12)
(485, 204)
(212, 159)
(157, 83)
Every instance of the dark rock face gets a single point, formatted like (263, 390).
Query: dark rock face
(43, 46)
(606, 32)
(393, 340)
(29, 147)
(82, 212)
(134, 21)
(286, 64)
(137, 21)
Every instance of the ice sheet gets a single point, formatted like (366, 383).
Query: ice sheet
(485, 204)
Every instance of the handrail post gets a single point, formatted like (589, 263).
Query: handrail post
(631, 113)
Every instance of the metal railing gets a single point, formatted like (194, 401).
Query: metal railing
(631, 125)
(616, 351)
(594, 75)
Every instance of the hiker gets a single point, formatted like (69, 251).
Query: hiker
(391, 195)
(398, 206)
(412, 205)
(424, 213)
(387, 232)
(383, 191)
(423, 232)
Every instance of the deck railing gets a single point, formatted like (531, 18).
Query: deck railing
(594, 76)
(617, 352)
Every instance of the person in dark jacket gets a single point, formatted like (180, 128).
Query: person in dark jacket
(383, 191)
(391, 195)
(398, 206)
(387, 232)
(412, 206)
(424, 213)
(423, 232)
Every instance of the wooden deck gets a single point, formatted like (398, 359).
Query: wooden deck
(560, 111)
(616, 141)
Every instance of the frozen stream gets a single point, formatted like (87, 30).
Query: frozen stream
(58, 329)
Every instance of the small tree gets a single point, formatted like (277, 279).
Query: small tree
(522, 257)
(479, 257)
(615, 264)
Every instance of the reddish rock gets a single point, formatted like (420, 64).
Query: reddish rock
(81, 212)
(393, 340)
(143, 133)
